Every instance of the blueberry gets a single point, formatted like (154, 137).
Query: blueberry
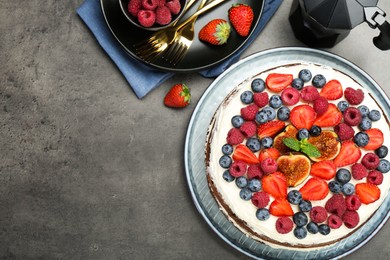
(275, 101)
(384, 166)
(246, 97)
(237, 121)
(283, 113)
(312, 227)
(245, 194)
(342, 105)
(297, 83)
(271, 113)
(335, 186)
(365, 124)
(262, 214)
(300, 232)
(364, 110)
(305, 75)
(318, 81)
(315, 130)
(225, 161)
(348, 189)
(343, 175)
(241, 182)
(382, 151)
(374, 115)
(324, 229)
(361, 139)
(303, 133)
(300, 219)
(305, 205)
(253, 144)
(267, 142)
(254, 184)
(258, 85)
(227, 149)
(261, 117)
(227, 176)
(294, 197)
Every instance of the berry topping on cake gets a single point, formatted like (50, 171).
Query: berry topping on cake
(254, 171)
(268, 165)
(244, 154)
(375, 139)
(261, 99)
(280, 208)
(249, 112)
(234, 136)
(323, 169)
(354, 96)
(318, 214)
(358, 171)
(344, 131)
(276, 82)
(336, 205)
(284, 225)
(370, 161)
(352, 116)
(332, 90)
(375, 177)
(351, 218)
(334, 221)
(330, 118)
(269, 153)
(248, 129)
(352, 202)
(349, 154)
(237, 168)
(290, 96)
(318, 81)
(314, 189)
(309, 93)
(260, 199)
(270, 129)
(302, 116)
(275, 184)
(367, 192)
(320, 105)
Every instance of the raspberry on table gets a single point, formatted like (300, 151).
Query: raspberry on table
(134, 7)
(163, 15)
(146, 18)
(174, 6)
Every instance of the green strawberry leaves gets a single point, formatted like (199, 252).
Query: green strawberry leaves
(302, 146)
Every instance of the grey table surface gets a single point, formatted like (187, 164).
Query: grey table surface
(88, 171)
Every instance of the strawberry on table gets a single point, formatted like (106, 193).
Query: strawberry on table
(178, 96)
(215, 32)
(276, 82)
(241, 17)
(349, 154)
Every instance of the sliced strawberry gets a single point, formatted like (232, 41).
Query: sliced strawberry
(302, 116)
(270, 129)
(324, 169)
(280, 208)
(269, 153)
(349, 154)
(367, 192)
(276, 82)
(332, 90)
(376, 139)
(243, 153)
(314, 189)
(331, 117)
(275, 184)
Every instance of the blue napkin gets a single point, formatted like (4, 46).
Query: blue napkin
(141, 77)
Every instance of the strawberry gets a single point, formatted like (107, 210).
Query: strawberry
(178, 96)
(367, 192)
(280, 208)
(243, 153)
(349, 154)
(314, 189)
(302, 116)
(270, 129)
(269, 153)
(276, 82)
(331, 117)
(376, 139)
(325, 170)
(275, 184)
(215, 32)
(332, 90)
(241, 17)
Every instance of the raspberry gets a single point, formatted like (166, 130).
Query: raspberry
(359, 171)
(268, 165)
(150, 4)
(370, 161)
(234, 136)
(134, 7)
(336, 205)
(174, 6)
(249, 112)
(351, 218)
(375, 177)
(352, 116)
(320, 105)
(344, 131)
(163, 15)
(261, 99)
(334, 221)
(284, 225)
(290, 96)
(248, 128)
(162, 2)
(353, 96)
(260, 199)
(146, 18)
(318, 214)
(254, 171)
(309, 93)
(237, 168)
(353, 202)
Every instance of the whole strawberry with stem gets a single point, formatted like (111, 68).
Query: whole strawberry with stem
(178, 96)
(241, 17)
(215, 32)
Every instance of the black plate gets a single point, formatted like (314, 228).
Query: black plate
(200, 55)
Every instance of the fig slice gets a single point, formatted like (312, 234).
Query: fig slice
(289, 131)
(295, 167)
(327, 143)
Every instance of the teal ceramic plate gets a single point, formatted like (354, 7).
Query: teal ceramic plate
(196, 138)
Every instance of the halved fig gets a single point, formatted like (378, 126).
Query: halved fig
(289, 131)
(327, 143)
(295, 167)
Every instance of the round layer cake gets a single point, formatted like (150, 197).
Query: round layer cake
(296, 156)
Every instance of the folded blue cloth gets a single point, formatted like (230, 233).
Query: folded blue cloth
(141, 77)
